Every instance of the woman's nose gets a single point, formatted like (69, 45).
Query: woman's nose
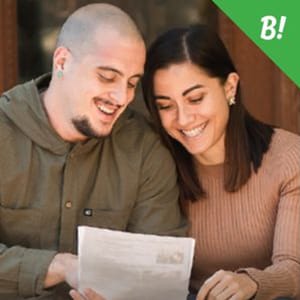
(184, 116)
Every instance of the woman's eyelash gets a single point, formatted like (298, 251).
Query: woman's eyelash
(161, 107)
(196, 100)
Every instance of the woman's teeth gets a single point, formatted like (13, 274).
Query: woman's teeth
(195, 131)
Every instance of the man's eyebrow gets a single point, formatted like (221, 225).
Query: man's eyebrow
(107, 68)
(194, 87)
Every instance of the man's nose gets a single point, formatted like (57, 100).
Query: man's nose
(120, 95)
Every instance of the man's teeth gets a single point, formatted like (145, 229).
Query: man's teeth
(194, 132)
(106, 110)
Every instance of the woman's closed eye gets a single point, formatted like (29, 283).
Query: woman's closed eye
(164, 106)
(196, 100)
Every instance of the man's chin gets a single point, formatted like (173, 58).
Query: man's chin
(86, 129)
(103, 133)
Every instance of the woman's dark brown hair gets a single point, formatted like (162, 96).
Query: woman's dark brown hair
(247, 139)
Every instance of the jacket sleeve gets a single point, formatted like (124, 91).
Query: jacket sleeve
(157, 209)
(22, 271)
(282, 278)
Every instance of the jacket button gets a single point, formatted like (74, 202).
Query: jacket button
(68, 204)
(88, 212)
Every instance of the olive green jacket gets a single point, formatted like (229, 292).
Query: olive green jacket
(48, 187)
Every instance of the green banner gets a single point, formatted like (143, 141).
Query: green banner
(273, 25)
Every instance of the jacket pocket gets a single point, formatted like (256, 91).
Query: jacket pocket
(117, 220)
(20, 227)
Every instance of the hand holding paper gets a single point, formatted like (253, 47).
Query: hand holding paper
(127, 266)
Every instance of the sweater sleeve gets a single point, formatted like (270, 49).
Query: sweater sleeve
(22, 270)
(282, 278)
(157, 209)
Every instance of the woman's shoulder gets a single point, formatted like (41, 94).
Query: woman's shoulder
(283, 140)
(284, 148)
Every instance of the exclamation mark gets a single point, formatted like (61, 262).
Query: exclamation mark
(281, 27)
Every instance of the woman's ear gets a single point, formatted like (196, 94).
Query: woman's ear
(231, 85)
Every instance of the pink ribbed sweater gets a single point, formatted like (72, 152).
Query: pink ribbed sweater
(257, 229)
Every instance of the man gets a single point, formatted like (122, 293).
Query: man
(72, 154)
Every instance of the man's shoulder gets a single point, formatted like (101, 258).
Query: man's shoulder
(134, 133)
(11, 102)
(133, 123)
(25, 90)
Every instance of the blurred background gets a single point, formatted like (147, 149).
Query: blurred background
(28, 31)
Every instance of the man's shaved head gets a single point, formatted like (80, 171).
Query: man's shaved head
(98, 61)
(86, 25)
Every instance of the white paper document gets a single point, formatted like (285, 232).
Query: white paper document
(131, 266)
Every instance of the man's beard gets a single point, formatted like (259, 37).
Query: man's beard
(83, 126)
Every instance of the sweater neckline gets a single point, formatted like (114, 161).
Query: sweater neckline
(211, 170)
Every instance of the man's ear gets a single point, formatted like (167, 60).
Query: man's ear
(60, 56)
(231, 85)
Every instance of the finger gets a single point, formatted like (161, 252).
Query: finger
(237, 296)
(227, 293)
(218, 288)
(209, 284)
(92, 295)
(76, 295)
(226, 286)
(204, 290)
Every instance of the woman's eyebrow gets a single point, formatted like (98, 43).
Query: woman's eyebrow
(197, 86)
(184, 93)
(157, 97)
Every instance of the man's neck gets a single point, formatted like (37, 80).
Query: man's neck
(53, 107)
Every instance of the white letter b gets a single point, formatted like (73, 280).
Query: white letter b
(268, 31)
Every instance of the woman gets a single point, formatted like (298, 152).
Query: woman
(239, 178)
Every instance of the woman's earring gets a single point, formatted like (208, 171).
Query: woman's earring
(60, 74)
(231, 101)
